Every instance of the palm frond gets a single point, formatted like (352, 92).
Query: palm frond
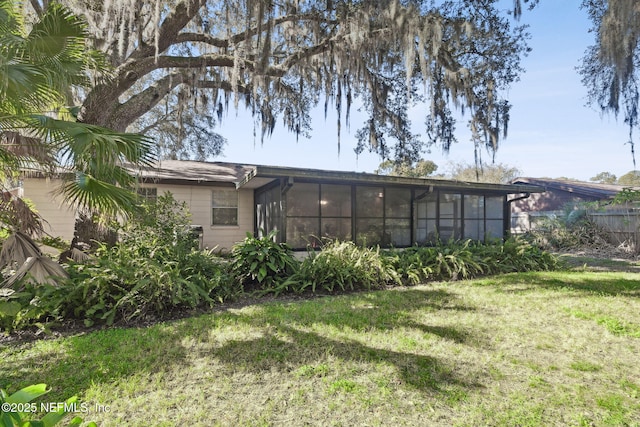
(39, 270)
(82, 144)
(90, 193)
(19, 216)
(16, 249)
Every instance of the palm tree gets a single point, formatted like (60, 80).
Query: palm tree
(40, 67)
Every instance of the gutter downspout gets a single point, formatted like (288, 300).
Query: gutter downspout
(508, 213)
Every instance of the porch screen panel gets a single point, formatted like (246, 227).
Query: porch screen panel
(450, 220)
(303, 215)
(269, 212)
(397, 223)
(425, 219)
(369, 215)
(335, 211)
(495, 217)
(473, 217)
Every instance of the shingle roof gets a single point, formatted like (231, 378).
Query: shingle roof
(186, 170)
(179, 171)
(579, 188)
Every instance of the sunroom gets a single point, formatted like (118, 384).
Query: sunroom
(306, 206)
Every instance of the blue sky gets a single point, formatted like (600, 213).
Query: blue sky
(551, 133)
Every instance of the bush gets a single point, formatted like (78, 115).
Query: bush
(514, 255)
(263, 264)
(345, 267)
(442, 262)
(24, 308)
(155, 268)
(573, 230)
(468, 259)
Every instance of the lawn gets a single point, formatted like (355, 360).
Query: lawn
(527, 349)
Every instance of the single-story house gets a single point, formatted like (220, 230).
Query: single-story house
(559, 193)
(619, 221)
(304, 205)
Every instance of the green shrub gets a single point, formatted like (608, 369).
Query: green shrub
(155, 268)
(468, 259)
(346, 267)
(514, 255)
(24, 308)
(572, 230)
(448, 261)
(263, 264)
(119, 284)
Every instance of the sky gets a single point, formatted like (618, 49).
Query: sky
(552, 133)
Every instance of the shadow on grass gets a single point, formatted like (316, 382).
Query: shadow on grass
(281, 338)
(71, 365)
(305, 334)
(611, 284)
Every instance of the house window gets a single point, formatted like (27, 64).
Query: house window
(224, 207)
(303, 215)
(483, 217)
(474, 217)
(148, 194)
(495, 217)
(269, 212)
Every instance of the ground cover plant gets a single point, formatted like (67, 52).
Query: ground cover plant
(155, 271)
(530, 349)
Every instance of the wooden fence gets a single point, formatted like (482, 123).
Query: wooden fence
(621, 226)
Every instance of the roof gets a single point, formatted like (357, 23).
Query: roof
(183, 171)
(254, 176)
(579, 188)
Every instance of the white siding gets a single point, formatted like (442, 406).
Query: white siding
(198, 199)
(59, 217)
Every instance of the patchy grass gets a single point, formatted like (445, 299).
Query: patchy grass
(588, 263)
(532, 349)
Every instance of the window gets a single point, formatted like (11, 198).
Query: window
(483, 217)
(269, 212)
(335, 208)
(495, 217)
(474, 217)
(224, 207)
(303, 215)
(149, 194)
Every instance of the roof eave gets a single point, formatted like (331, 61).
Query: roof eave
(367, 178)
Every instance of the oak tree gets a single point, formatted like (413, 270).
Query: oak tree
(280, 59)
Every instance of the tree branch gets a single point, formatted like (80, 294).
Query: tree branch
(142, 102)
(179, 17)
(246, 35)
